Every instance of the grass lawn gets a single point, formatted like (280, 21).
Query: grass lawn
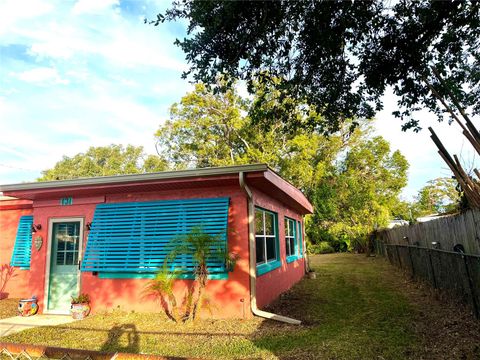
(357, 308)
(8, 308)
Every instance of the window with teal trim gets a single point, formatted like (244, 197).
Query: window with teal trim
(300, 239)
(135, 239)
(23, 243)
(266, 241)
(290, 238)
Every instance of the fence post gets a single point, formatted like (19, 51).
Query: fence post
(431, 267)
(398, 257)
(472, 288)
(388, 253)
(411, 261)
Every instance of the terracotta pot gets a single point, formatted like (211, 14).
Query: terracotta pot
(80, 311)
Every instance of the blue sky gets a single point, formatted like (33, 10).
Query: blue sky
(75, 74)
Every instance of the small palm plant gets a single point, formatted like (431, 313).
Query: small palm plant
(161, 287)
(204, 249)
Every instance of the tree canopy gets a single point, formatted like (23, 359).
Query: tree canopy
(338, 57)
(103, 161)
(358, 193)
(214, 129)
(352, 178)
(438, 196)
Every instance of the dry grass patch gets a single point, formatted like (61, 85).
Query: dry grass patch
(8, 308)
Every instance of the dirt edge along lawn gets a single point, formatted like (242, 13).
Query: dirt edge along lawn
(357, 308)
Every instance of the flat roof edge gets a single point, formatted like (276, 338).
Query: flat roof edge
(118, 179)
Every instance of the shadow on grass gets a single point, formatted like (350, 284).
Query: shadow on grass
(122, 338)
(131, 329)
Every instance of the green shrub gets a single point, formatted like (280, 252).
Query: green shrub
(322, 247)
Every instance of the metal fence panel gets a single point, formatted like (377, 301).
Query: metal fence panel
(391, 255)
(473, 264)
(404, 258)
(451, 275)
(421, 264)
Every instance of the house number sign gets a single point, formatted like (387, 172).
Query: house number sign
(66, 201)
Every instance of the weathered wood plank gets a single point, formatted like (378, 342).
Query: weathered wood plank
(448, 231)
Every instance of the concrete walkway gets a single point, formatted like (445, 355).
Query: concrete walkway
(17, 323)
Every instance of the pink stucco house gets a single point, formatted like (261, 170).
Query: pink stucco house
(106, 236)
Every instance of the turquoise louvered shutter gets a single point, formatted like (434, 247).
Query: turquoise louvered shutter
(136, 237)
(23, 243)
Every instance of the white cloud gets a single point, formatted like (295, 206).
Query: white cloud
(122, 75)
(93, 6)
(116, 41)
(68, 123)
(15, 11)
(55, 32)
(42, 75)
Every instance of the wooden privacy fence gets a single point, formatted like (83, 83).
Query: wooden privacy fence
(455, 273)
(447, 231)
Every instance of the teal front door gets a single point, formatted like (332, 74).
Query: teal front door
(63, 279)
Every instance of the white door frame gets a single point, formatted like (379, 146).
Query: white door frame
(51, 221)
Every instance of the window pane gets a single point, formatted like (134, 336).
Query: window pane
(258, 222)
(292, 246)
(269, 224)
(260, 249)
(72, 229)
(287, 232)
(60, 244)
(299, 238)
(69, 258)
(271, 253)
(70, 242)
(60, 258)
(287, 246)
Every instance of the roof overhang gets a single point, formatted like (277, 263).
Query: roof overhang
(11, 203)
(261, 176)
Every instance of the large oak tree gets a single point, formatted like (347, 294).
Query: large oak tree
(104, 160)
(352, 178)
(338, 57)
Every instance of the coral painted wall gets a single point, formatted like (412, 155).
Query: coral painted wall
(275, 282)
(10, 213)
(229, 298)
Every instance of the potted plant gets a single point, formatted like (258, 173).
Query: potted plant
(80, 306)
